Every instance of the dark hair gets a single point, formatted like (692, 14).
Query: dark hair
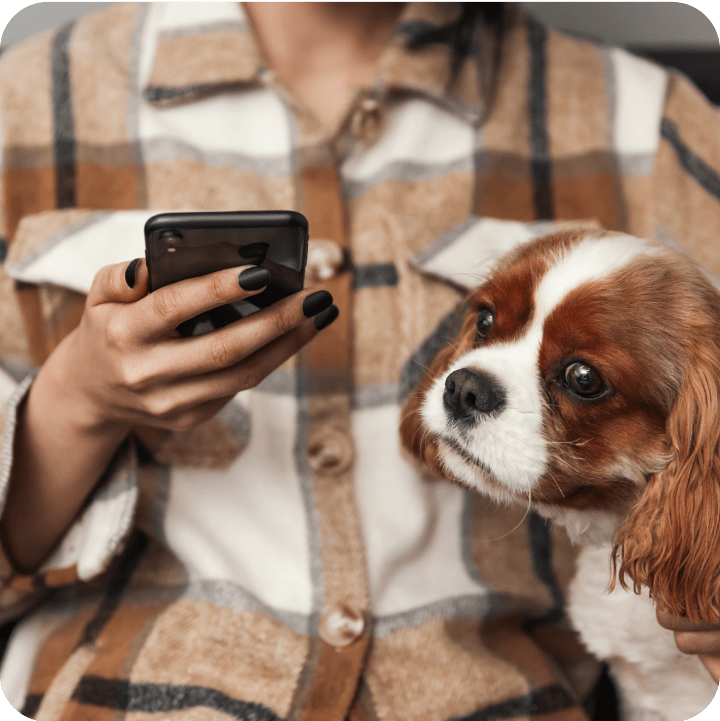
(491, 13)
(459, 33)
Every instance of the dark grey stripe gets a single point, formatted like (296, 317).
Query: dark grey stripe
(157, 94)
(446, 239)
(543, 700)
(408, 171)
(237, 418)
(32, 704)
(458, 35)
(133, 104)
(622, 167)
(231, 595)
(15, 369)
(416, 367)
(373, 275)
(160, 499)
(469, 607)
(466, 537)
(3, 249)
(164, 698)
(326, 382)
(116, 587)
(367, 395)
(694, 165)
(171, 149)
(541, 550)
(373, 395)
(63, 123)
(540, 166)
(160, 94)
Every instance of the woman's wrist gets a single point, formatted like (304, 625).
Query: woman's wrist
(60, 391)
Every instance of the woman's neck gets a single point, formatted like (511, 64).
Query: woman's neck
(323, 52)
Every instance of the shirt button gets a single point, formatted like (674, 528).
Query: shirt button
(324, 259)
(340, 625)
(330, 452)
(365, 122)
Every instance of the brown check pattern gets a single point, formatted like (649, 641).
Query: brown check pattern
(147, 107)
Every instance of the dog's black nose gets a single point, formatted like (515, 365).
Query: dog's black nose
(469, 392)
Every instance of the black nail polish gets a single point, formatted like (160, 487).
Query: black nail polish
(131, 272)
(254, 278)
(316, 303)
(324, 318)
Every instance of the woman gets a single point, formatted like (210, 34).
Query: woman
(271, 553)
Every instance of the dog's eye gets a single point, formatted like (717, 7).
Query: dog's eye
(484, 323)
(584, 380)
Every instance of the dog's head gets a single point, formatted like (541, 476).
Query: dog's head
(586, 380)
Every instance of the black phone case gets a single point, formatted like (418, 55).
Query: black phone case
(188, 245)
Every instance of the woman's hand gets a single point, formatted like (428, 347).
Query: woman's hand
(701, 639)
(137, 370)
(126, 365)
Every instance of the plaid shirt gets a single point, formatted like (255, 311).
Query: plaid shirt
(284, 561)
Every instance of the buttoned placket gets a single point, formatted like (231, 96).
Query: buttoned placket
(338, 653)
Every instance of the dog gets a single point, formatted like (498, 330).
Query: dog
(585, 382)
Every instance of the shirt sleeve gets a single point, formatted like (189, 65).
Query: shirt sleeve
(101, 529)
(93, 540)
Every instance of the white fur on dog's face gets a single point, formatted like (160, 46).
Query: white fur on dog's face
(512, 447)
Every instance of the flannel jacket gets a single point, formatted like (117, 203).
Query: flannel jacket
(284, 560)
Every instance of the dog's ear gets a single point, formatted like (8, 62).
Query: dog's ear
(670, 541)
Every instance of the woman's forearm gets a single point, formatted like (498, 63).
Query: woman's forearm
(58, 458)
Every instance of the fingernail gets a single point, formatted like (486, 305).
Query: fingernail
(316, 303)
(254, 278)
(131, 272)
(324, 318)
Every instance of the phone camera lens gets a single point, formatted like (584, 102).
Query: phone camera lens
(171, 237)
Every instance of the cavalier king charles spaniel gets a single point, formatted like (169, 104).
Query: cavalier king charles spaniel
(585, 382)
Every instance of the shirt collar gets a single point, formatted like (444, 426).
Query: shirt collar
(468, 252)
(199, 49)
(433, 53)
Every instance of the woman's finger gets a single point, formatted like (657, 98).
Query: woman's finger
(228, 346)
(194, 392)
(164, 309)
(678, 623)
(697, 642)
(712, 664)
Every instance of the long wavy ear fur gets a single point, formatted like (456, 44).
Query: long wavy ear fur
(670, 541)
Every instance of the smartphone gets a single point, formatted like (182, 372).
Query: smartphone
(188, 245)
